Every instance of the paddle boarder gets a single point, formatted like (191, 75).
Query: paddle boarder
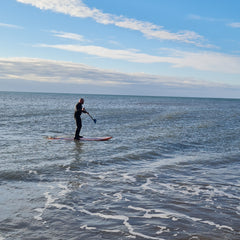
(79, 109)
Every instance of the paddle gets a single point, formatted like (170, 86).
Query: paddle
(95, 120)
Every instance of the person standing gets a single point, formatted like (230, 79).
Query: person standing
(79, 109)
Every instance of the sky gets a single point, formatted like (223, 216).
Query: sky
(187, 48)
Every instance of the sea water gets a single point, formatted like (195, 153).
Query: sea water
(171, 170)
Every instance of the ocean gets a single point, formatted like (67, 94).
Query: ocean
(171, 170)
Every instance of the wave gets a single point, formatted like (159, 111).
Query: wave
(29, 175)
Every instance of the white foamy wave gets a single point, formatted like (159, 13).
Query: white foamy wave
(128, 178)
(115, 197)
(39, 216)
(157, 213)
(218, 225)
(87, 228)
(50, 202)
(222, 193)
(65, 189)
(146, 186)
(61, 206)
(162, 229)
(238, 210)
(111, 231)
(118, 196)
(154, 213)
(123, 218)
(210, 192)
(2, 238)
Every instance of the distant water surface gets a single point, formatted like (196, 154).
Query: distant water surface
(171, 170)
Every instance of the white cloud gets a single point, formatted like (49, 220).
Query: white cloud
(77, 8)
(150, 30)
(10, 26)
(127, 55)
(72, 36)
(234, 25)
(28, 74)
(42, 70)
(203, 61)
(208, 61)
(207, 19)
(73, 8)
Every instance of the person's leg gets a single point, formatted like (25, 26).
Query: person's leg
(77, 133)
(78, 129)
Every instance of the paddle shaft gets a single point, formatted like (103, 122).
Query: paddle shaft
(91, 117)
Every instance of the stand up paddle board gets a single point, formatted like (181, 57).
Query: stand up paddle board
(81, 139)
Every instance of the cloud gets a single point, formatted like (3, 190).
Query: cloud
(131, 55)
(207, 19)
(207, 61)
(28, 74)
(203, 61)
(76, 8)
(234, 25)
(10, 26)
(67, 35)
(41, 70)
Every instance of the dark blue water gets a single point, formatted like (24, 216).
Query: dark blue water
(171, 170)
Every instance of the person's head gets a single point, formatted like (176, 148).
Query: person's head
(81, 100)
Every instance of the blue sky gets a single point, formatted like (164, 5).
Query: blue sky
(142, 47)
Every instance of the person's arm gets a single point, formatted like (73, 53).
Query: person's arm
(84, 110)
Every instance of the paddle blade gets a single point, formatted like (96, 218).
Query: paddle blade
(95, 121)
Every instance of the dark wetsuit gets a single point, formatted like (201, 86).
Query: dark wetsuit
(77, 116)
